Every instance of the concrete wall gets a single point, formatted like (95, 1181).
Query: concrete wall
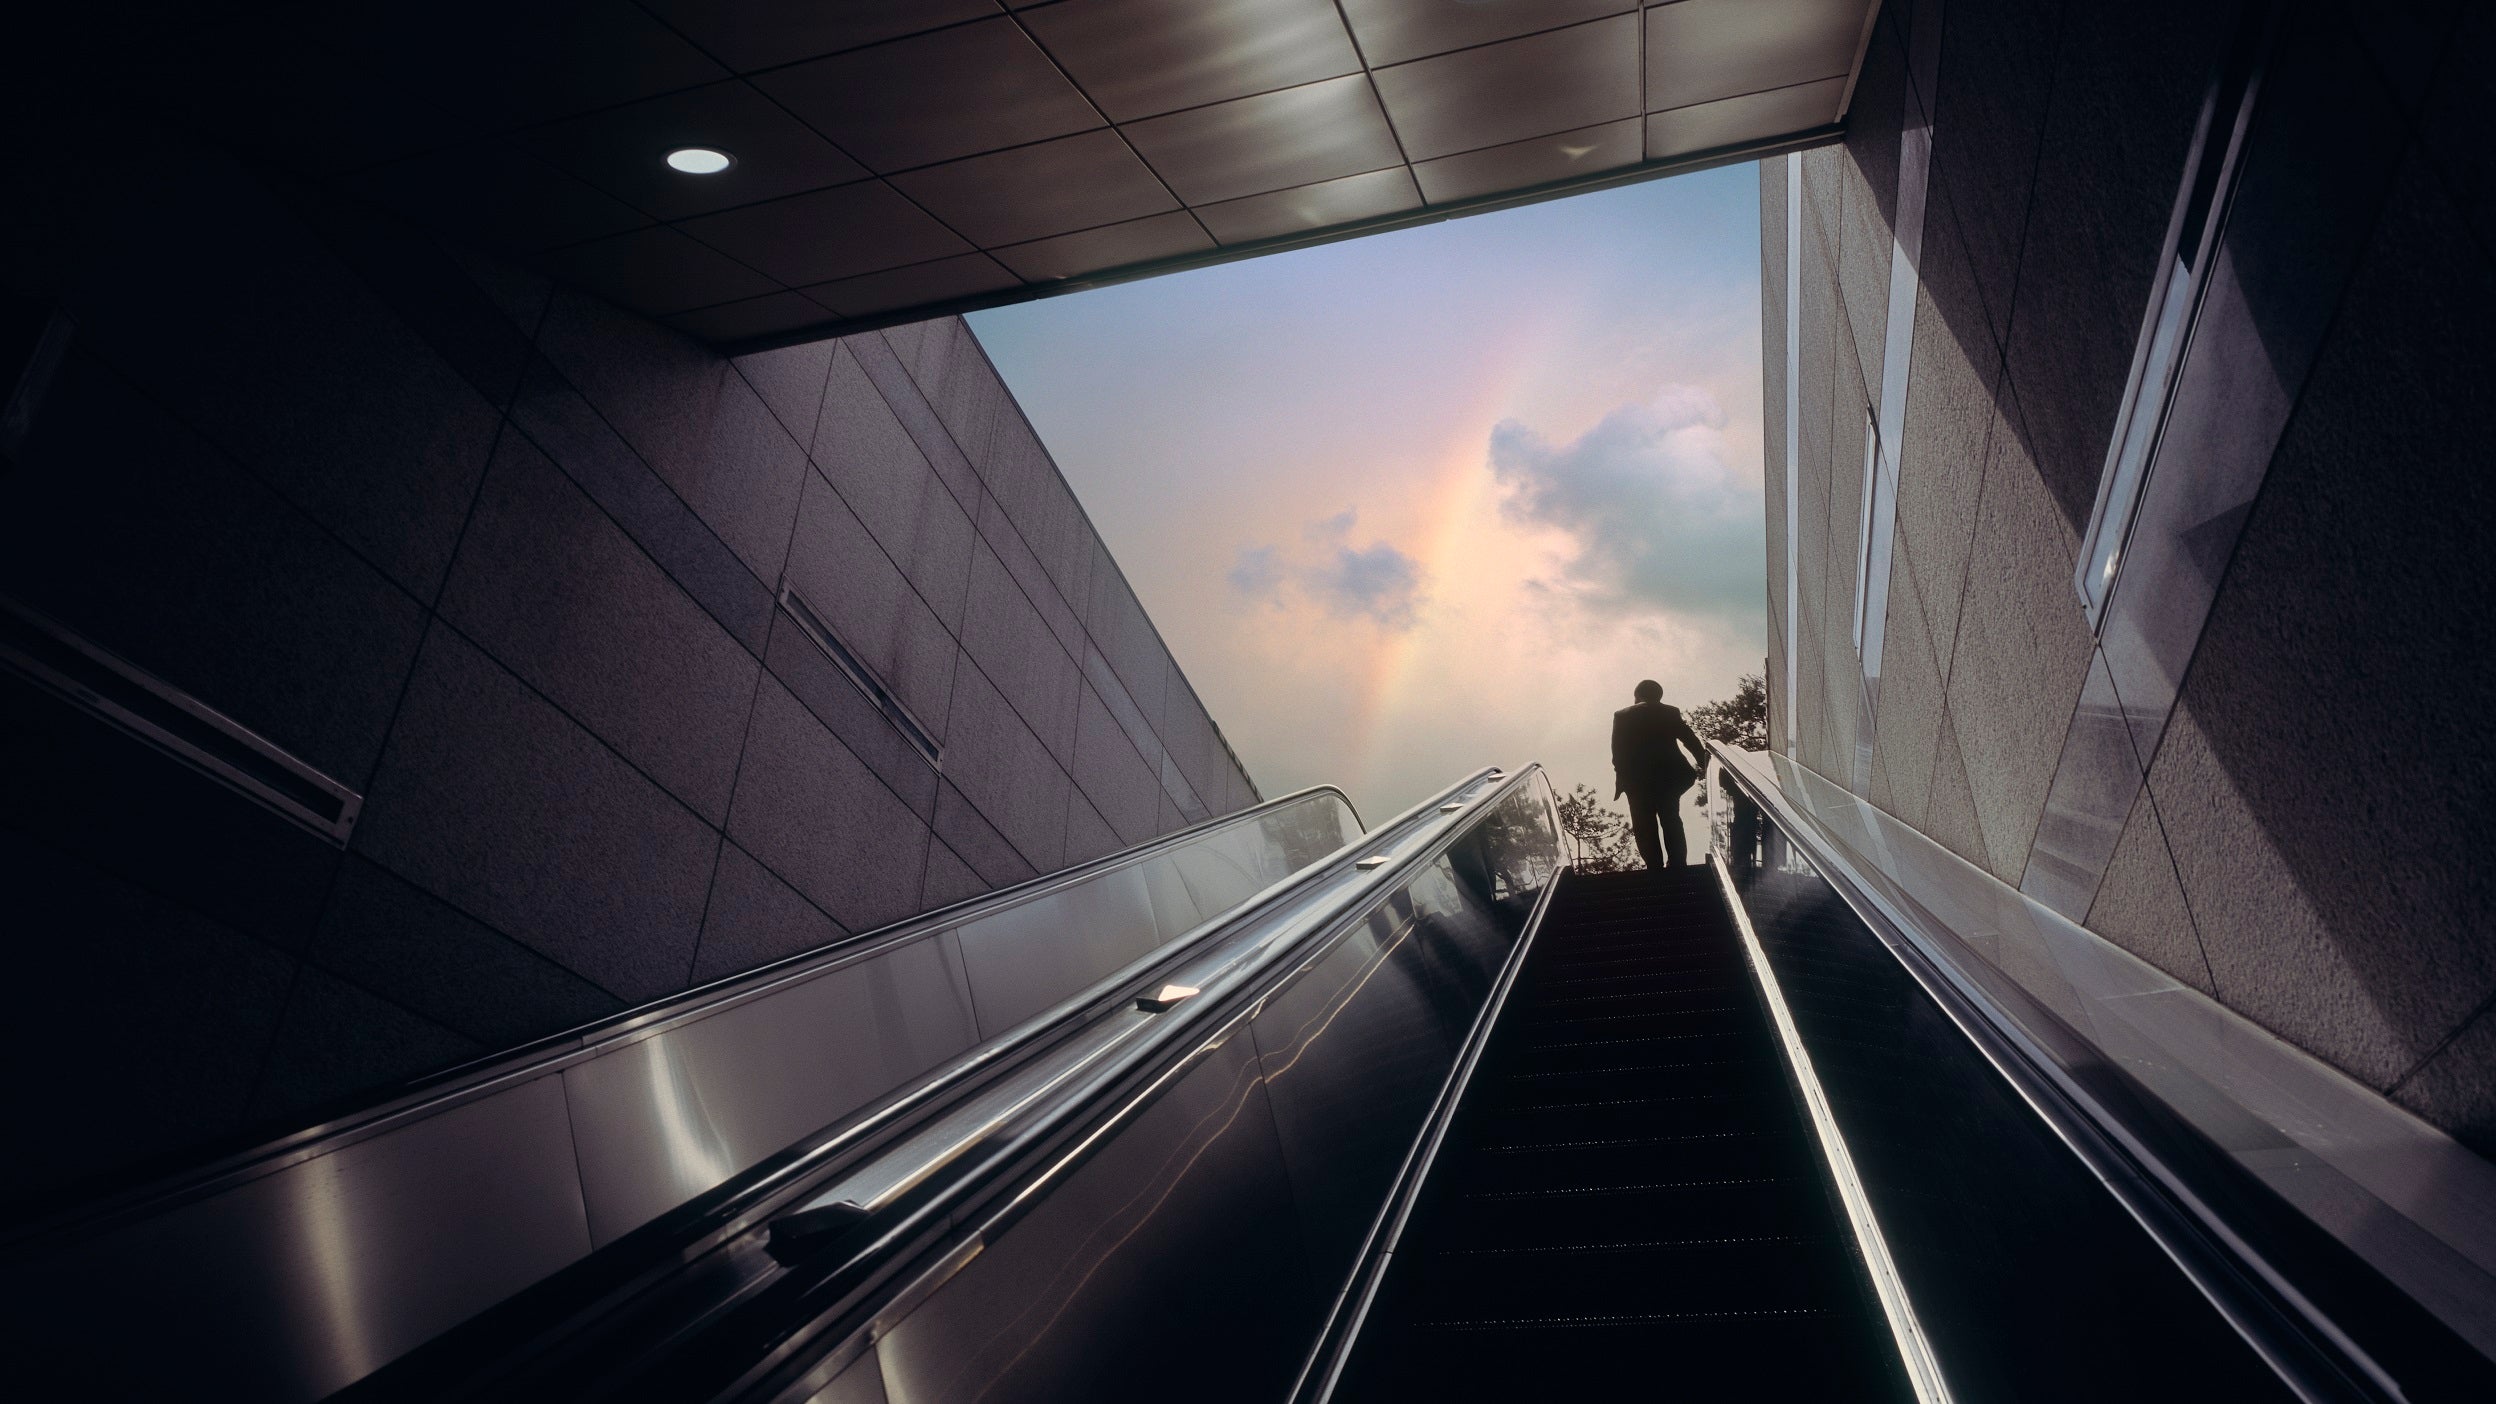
(504, 559)
(2304, 846)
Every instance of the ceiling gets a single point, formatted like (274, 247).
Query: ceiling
(899, 158)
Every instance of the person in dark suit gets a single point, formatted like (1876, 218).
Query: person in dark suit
(1647, 766)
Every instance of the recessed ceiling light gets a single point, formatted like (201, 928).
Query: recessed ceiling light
(700, 160)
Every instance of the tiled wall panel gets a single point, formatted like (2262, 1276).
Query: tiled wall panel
(505, 559)
(2302, 847)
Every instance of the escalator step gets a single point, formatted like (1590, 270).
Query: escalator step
(1629, 1203)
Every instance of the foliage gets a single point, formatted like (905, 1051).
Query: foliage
(1739, 721)
(1598, 834)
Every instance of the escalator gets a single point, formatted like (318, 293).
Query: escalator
(1629, 1180)
(1280, 1109)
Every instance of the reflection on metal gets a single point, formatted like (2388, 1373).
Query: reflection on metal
(1173, 1216)
(1166, 998)
(1915, 1349)
(1449, 808)
(1323, 1369)
(1886, 433)
(2060, 1011)
(2211, 166)
(1375, 860)
(104, 686)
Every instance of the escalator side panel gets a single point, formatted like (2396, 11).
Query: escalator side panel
(738, 1086)
(1160, 1268)
(2030, 1280)
(1356, 1050)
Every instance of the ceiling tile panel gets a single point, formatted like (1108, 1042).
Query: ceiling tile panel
(755, 316)
(515, 64)
(1499, 93)
(751, 34)
(1273, 141)
(1521, 165)
(934, 97)
(1394, 31)
(1137, 241)
(495, 192)
(921, 283)
(1702, 50)
(1752, 117)
(1312, 207)
(1008, 197)
(657, 271)
(623, 151)
(827, 234)
(1141, 57)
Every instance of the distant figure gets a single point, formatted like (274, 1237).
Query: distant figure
(1648, 768)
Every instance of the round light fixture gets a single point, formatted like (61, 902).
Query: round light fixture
(700, 160)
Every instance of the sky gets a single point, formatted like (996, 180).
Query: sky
(1409, 505)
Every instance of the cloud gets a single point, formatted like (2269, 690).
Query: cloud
(1658, 521)
(1377, 582)
(1258, 574)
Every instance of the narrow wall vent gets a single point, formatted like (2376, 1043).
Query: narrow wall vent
(859, 674)
(164, 716)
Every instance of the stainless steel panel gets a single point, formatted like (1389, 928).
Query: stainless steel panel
(1534, 161)
(1703, 50)
(827, 234)
(1160, 1268)
(1353, 1053)
(298, 1283)
(1312, 206)
(1392, 31)
(667, 1117)
(622, 151)
(1139, 57)
(1554, 82)
(1136, 241)
(1754, 118)
(920, 282)
(1031, 192)
(917, 101)
(861, 1383)
(1024, 959)
(1270, 142)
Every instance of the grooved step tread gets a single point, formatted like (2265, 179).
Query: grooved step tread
(1630, 1202)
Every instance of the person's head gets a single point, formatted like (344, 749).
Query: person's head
(1649, 691)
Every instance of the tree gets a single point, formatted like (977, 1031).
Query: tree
(1739, 721)
(1598, 834)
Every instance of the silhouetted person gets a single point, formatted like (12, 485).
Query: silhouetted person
(1647, 766)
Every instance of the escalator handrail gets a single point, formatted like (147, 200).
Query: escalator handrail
(2309, 1352)
(459, 1084)
(629, 1267)
(921, 1238)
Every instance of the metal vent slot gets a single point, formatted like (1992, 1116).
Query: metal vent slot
(859, 674)
(174, 722)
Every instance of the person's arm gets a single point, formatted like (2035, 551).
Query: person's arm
(1619, 726)
(1689, 738)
